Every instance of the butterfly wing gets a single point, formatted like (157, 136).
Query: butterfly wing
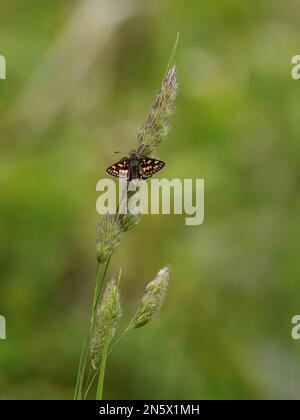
(119, 169)
(150, 166)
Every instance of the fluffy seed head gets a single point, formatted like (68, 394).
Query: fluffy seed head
(157, 126)
(107, 315)
(107, 237)
(152, 299)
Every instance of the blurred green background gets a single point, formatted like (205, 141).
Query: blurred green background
(81, 76)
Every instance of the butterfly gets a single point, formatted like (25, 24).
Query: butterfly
(135, 167)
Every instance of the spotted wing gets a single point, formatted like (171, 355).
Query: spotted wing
(119, 169)
(150, 166)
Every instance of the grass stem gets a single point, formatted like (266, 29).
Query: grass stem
(102, 373)
(98, 286)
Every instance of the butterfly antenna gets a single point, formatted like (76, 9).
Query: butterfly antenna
(118, 152)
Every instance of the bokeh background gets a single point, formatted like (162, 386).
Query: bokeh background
(81, 77)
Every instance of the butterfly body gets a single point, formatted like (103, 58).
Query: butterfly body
(135, 167)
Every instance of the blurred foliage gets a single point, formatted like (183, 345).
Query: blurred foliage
(77, 89)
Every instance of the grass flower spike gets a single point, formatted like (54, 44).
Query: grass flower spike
(152, 299)
(157, 126)
(107, 316)
(107, 237)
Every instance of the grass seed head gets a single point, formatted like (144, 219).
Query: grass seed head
(108, 314)
(107, 237)
(156, 127)
(152, 299)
